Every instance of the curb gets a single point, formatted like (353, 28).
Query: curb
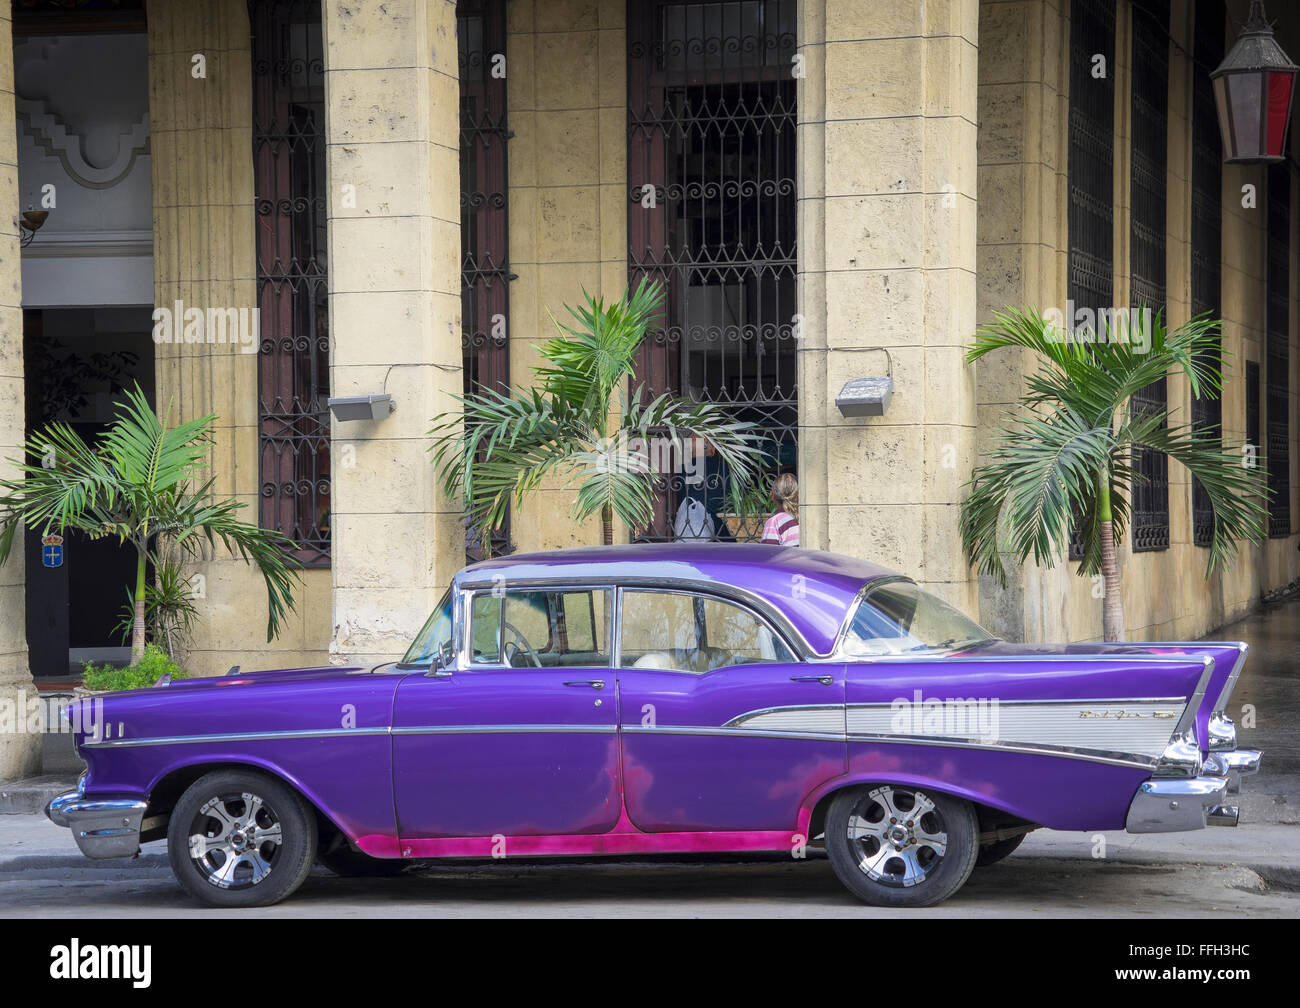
(30, 796)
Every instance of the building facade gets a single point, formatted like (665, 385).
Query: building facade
(254, 206)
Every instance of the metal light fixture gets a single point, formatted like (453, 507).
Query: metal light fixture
(865, 396)
(1253, 87)
(29, 222)
(362, 407)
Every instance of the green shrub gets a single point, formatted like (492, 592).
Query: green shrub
(144, 673)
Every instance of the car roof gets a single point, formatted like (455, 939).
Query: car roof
(812, 589)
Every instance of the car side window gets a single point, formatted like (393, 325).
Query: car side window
(541, 629)
(683, 632)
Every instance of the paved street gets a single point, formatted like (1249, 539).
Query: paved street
(1250, 871)
(1253, 871)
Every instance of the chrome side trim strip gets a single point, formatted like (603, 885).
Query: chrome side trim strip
(1221, 703)
(1187, 723)
(529, 729)
(816, 736)
(276, 736)
(1133, 761)
(232, 737)
(1130, 728)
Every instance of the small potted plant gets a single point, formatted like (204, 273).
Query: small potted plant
(747, 508)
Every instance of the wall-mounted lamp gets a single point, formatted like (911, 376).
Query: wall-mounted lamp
(1252, 89)
(865, 396)
(362, 407)
(868, 396)
(29, 222)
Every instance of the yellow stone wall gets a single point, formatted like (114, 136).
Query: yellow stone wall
(932, 175)
(1023, 216)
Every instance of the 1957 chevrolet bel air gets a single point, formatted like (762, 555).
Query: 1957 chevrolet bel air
(673, 698)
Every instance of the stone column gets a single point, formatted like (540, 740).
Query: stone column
(20, 752)
(394, 140)
(887, 263)
(204, 220)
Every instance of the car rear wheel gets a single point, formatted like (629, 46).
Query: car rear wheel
(240, 839)
(901, 847)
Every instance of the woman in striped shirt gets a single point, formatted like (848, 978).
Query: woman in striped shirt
(782, 529)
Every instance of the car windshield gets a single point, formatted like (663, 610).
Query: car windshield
(900, 618)
(434, 637)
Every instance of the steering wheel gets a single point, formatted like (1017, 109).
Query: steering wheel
(520, 643)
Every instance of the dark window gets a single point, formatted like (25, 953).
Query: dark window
(293, 358)
(1277, 450)
(1252, 406)
(485, 270)
(1091, 185)
(711, 214)
(1147, 224)
(1207, 228)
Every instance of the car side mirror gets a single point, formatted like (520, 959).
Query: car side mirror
(444, 662)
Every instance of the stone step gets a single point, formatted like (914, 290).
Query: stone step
(29, 796)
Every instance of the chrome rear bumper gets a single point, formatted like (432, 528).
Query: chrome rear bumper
(1232, 766)
(102, 827)
(1174, 805)
(1169, 805)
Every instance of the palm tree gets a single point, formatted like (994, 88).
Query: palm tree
(135, 484)
(1062, 459)
(579, 424)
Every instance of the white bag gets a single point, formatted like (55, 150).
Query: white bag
(693, 521)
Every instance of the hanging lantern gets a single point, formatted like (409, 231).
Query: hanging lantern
(1253, 88)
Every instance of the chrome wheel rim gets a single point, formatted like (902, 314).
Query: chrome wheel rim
(898, 836)
(235, 840)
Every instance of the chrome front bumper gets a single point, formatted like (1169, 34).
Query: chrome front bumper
(102, 827)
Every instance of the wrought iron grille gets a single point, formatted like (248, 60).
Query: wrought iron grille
(1147, 224)
(1089, 169)
(711, 214)
(293, 358)
(484, 189)
(1278, 450)
(1207, 230)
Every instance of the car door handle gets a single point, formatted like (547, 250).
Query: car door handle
(825, 680)
(593, 683)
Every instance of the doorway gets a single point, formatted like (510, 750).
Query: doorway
(78, 363)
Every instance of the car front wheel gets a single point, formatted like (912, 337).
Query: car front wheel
(240, 839)
(901, 847)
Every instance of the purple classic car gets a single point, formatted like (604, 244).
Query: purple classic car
(675, 698)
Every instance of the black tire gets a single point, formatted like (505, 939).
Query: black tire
(909, 871)
(234, 869)
(995, 852)
(348, 863)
